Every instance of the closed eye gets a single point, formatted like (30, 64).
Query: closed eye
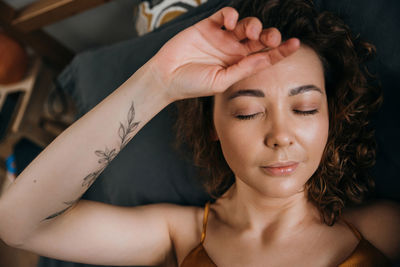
(300, 112)
(305, 112)
(246, 117)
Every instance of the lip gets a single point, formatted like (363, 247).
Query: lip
(281, 168)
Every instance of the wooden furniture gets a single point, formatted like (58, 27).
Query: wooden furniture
(25, 25)
(25, 119)
(25, 87)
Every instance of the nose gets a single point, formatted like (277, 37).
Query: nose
(278, 133)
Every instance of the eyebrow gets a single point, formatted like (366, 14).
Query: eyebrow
(303, 89)
(259, 93)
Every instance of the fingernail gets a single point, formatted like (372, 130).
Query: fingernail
(254, 31)
(272, 37)
(232, 23)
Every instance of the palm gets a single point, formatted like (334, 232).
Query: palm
(204, 59)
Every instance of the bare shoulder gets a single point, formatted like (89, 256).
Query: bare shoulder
(182, 220)
(179, 218)
(178, 215)
(185, 225)
(379, 223)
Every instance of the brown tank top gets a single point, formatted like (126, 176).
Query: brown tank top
(364, 255)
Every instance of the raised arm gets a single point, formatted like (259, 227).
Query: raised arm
(42, 212)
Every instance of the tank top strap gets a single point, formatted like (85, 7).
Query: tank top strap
(353, 229)
(205, 218)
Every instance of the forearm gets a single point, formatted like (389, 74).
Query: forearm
(71, 163)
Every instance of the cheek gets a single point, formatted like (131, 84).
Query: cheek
(232, 142)
(238, 143)
(314, 137)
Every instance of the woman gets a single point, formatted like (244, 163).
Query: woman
(270, 115)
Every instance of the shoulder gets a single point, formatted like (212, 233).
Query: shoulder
(181, 220)
(177, 215)
(178, 218)
(185, 226)
(379, 223)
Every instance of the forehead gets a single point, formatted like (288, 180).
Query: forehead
(301, 68)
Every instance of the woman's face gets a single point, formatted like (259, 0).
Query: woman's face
(273, 126)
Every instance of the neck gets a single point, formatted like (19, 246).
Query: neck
(253, 212)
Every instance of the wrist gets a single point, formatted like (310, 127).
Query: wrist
(148, 78)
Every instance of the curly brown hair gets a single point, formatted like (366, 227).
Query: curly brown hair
(343, 176)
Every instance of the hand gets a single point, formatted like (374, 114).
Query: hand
(206, 59)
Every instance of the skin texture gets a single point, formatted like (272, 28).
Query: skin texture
(278, 132)
(204, 59)
(270, 210)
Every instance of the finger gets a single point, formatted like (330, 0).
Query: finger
(252, 46)
(271, 37)
(226, 17)
(284, 50)
(239, 71)
(248, 28)
(254, 63)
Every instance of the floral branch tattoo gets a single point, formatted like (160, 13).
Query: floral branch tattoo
(69, 203)
(125, 131)
(106, 156)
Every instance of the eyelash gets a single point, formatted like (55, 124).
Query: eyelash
(246, 117)
(304, 113)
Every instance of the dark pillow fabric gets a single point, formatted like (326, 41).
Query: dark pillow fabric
(149, 170)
